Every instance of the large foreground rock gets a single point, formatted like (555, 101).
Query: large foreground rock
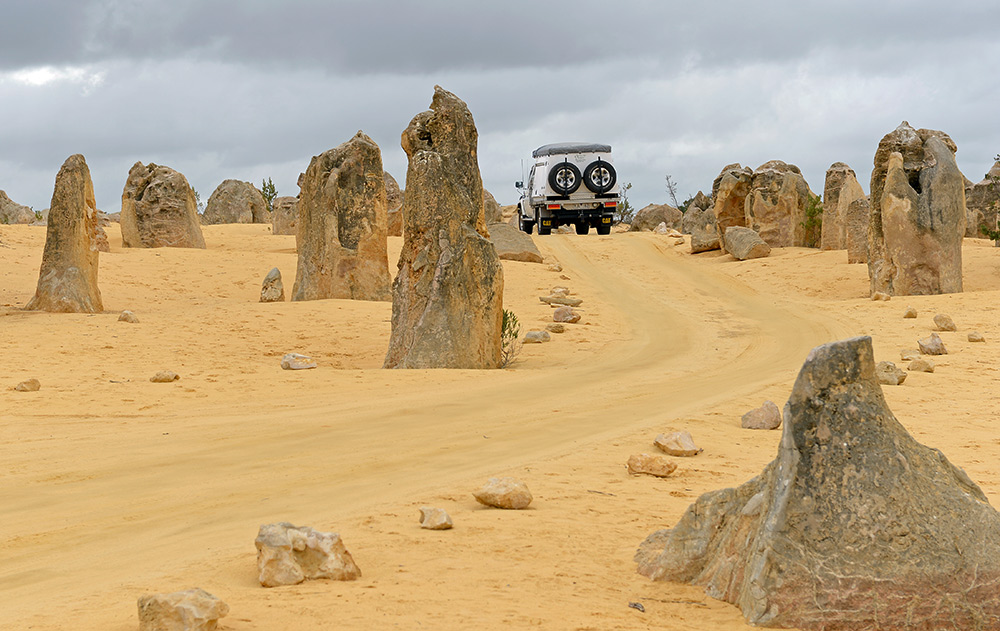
(512, 244)
(918, 214)
(12, 212)
(67, 279)
(234, 201)
(287, 555)
(447, 296)
(776, 205)
(159, 209)
(284, 215)
(652, 215)
(854, 525)
(744, 243)
(341, 231)
(190, 610)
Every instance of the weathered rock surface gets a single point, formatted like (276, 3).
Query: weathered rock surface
(394, 223)
(677, 444)
(512, 244)
(537, 337)
(447, 296)
(889, 375)
(853, 209)
(767, 416)
(128, 316)
(341, 231)
(67, 279)
(834, 230)
(159, 209)
(29, 385)
(11, 212)
(558, 299)
(284, 215)
(491, 209)
(703, 229)
(555, 327)
(729, 191)
(650, 464)
(272, 289)
(881, 296)
(909, 354)
(976, 336)
(165, 376)
(776, 205)
(190, 610)
(234, 201)
(854, 525)
(297, 361)
(507, 493)
(943, 322)
(435, 519)
(744, 243)
(650, 216)
(393, 194)
(696, 207)
(921, 365)
(566, 314)
(917, 214)
(983, 202)
(288, 555)
(932, 345)
(910, 313)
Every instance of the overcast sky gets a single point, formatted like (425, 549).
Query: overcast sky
(249, 89)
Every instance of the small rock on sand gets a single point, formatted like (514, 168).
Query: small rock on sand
(435, 519)
(128, 316)
(272, 289)
(767, 416)
(881, 296)
(677, 444)
(976, 336)
(288, 555)
(555, 267)
(537, 337)
(565, 314)
(190, 610)
(910, 313)
(165, 376)
(649, 464)
(944, 323)
(889, 375)
(556, 327)
(932, 345)
(31, 385)
(507, 493)
(909, 355)
(921, 365)
(565, 301)
(295, 361)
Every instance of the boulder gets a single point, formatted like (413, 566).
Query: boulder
(648, 217)
(650, 464)
(918, 216)
(234, 201)
(159, 209)
(190, 610)
(744, 243)
(297, 361)
(881, 296)
(565, 314)
(921, 365)
(67, 278)
(288, 555)
(983, 201)
(976, 336)
(677, 444)
(447, 297)
(11, 212)
(435, 519)
(491, 209)
(889, 375)
(537, 337)
(767, 416)
(730, 190)
(932, 345)
(512, 244)
(272, 289)
(696, 206)
(704, 231)
(943, 322)
(393, 194)
(29, 385)
(776, 206)
(854, 525)
(834, 229)
(341, 231)
(507, 493)
(284, 215)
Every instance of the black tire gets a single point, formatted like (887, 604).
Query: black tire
(582, 227)
(603, 228)
(564, 178)
(526, 226)
(600, 176)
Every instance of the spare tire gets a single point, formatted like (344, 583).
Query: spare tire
(564, 178)
(600, 176)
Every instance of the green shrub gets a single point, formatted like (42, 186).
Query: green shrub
(510, 343)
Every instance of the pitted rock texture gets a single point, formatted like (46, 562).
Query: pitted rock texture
(506, 493)
(190, 610)
(983, 202)
(272, 289)
(159, 209)
(854, 525)
(703, 228)
(288, 555)
(650, 216)
(744, 244)
(918, 215)
(853, 209)
(12, 212)
(776, 205)
(512, 244)
(284, 215)
(447, 297)
(67, 279)
(833, 231)
(234, 201)
(729, 192)
(341, 231)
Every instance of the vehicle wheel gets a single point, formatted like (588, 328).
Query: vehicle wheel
(600, 176)
(603, 228)
(582, 227)
(526, 226)
(564, 178)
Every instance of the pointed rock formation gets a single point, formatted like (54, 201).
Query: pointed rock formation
(234, 201)
(854, 525)
(67, 280)
(704, 231)
(283, 215)
(983, 201)
(776, 206)
(918, 214)
(12, 212)
(341, 233)
(730, 190)
(447, 297)
(698, 203)
(833, 232)
(159, 209)
(853, 210)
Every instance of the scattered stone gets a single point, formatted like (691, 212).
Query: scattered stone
(447, 304)
(776, 206)
(190, 610)
(507, 493)
(824, 538)
(537, 337)
(234, 201)
(767, 416)
(159, 209)
(67, 279)
(881, 296)
(888, 374)
(435, 519)
(730, 190)
(555, 267)
(31, 385)
(284, 215)
(944, 323)
(910, 313)
(565, 314)
(564, 301)
(651, 216)
(921, 365)
(128, 316)
(165, 376)
(560, 290)
(512, 244)
(650, 464)
(272, 289)
(341, 231)
(564, 229)
(932, 345)
(295, 361)
(677, 444)
(976, 336)
(661, 228)
(744, 244)
(288, 555)
(909, 355)
(556, 327)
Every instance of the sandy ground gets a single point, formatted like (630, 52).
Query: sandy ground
(112, 487)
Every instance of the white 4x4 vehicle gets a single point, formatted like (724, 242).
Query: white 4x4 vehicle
(570, 183)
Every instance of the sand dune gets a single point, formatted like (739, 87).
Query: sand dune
(113, 486)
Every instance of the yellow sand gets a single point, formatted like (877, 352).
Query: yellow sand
(112, 487)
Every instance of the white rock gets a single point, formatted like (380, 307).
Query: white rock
(287, 555)
(128, 316)
(435, 519)
(677, 444)
(508, 493)
(190, 610)
(295, 361)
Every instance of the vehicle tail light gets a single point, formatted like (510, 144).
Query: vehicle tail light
(610, 204)
(554, 206)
